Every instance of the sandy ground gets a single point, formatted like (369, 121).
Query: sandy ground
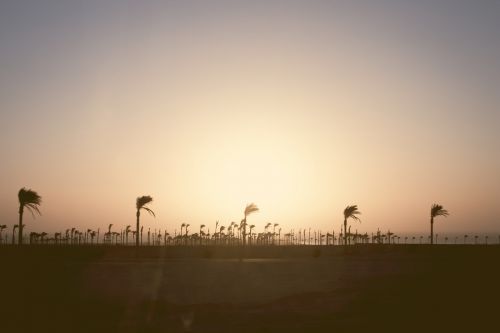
(395, 288)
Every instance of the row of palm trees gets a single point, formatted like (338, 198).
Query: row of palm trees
(241, 233)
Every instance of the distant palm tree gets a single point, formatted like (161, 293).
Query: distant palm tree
(27, 199)
(251, 229)
(92, 236)
(274, 231)
(14, 232)
(249, 209)
(3, 226)
(350, 212)
(107, 235)
(141, 204)
(201, 232)
(182, 227)
(127, 231)
(436, 210)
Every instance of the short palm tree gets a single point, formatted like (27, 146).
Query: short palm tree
(127, 231)
(249, 209)
(141, 204)
(3, 226)
(30, 200)
(350, 212)
(14, 233)
(436, 210)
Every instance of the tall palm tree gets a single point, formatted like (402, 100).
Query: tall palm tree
(141, 204)
(30, 200)
(350, 212)
(249, 209)
(436, 210)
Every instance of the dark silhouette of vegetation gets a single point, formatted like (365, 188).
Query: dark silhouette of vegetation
(350, 212)
(2, 227)
(141, 203)
(30, 200)
(436, 210)
(249, 209)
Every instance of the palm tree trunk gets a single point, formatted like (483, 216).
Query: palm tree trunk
(137, 229)
(432, 230)
(244, 234)
(20, 237)
(345, 231)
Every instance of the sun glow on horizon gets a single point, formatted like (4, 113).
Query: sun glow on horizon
(301, 108)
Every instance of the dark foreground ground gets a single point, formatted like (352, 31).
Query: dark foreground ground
(291, 289)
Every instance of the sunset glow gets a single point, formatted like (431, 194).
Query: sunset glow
(208, 106)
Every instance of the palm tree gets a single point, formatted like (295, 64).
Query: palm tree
(186, 231)
(251, 228)
(249, 209)
(3, 226)
(27, 199)
(141, 204)
(201, 232)
(127, 231)
(14, 232)
(350, 212)
(436, 210)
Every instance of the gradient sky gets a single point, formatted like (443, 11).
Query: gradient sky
(302, 107)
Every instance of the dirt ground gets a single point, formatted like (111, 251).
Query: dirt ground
(299, 289)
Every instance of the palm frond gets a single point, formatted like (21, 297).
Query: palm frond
(144, 200)
(251, 208)
(149, 211)
(352, 212)
(437, 210)
(28, 196)
(32, 209)
(29, 199)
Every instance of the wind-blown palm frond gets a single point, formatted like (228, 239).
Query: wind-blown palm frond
(142, 201)
(351, 212)
(251, 208)
(30, 199)
(437, 210)
(149, 211)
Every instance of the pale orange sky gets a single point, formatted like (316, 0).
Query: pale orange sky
(301, 107)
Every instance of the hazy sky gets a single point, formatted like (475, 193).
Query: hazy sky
(302, 107)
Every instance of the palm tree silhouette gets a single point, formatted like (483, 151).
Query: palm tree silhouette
(3, 226)
(27, 199)
(249, 209)
(350, 212)
(201, 232)
(141, 204)
(127, 231)
(14, 233)
(436, 210)
(251, 229)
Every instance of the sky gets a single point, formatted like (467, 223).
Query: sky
(302, 107)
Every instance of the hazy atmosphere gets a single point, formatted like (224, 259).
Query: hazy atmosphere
(302, 107)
